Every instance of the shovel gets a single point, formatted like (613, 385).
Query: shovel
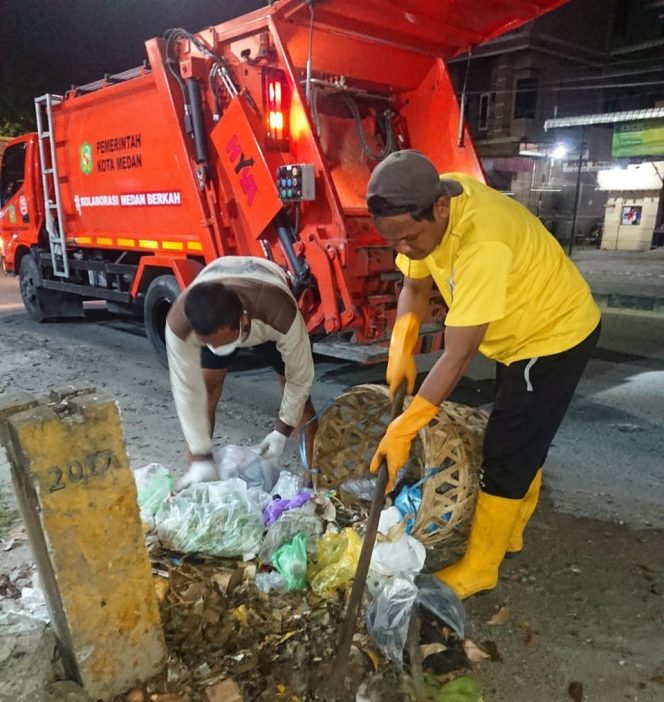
(347, 629)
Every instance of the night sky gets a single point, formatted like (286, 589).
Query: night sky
(48, 45)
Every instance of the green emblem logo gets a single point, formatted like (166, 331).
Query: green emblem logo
(85, 154)
(12, 214)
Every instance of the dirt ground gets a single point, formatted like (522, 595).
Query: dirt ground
(585, 599)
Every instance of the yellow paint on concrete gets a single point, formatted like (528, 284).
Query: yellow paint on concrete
(87, 497)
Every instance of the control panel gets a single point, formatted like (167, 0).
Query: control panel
(296, 182)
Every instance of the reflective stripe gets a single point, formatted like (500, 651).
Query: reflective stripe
(104, 241)
(194, 246)
(172, 245)
(526, 373)
(148, 244)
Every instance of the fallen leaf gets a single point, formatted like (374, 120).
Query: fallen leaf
(161, 587)
(431, 649)
(136, 695)
(502, 616)
(241, 615)
(225, 691)
(575, 691)
(473, 652)
(658, 675)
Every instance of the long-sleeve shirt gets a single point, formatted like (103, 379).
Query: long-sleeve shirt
(263, 290)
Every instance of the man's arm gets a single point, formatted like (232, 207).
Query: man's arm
(461, 344)
(189, 394)
(414, 297)
(295, 350)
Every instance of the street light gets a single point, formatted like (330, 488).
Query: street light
(559, 151)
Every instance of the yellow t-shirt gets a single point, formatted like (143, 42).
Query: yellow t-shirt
(497, 264)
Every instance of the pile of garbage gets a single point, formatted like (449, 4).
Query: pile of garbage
(252, 572)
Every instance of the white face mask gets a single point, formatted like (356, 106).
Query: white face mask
(226, 349)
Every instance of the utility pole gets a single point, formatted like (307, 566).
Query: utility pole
(577, 194)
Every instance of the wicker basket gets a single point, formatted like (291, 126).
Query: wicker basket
(451, 444)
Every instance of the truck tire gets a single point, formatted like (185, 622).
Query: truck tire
(42, 304)
(161, 295)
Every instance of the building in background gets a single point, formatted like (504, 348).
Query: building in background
(588, 58)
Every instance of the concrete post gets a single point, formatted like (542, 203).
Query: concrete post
(78, 500)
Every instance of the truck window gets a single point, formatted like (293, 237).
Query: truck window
(12, 174)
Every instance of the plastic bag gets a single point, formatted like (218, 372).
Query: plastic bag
(408, 502)
(336, 562)
(266, 582)
(388, 617)
(401, 554)
(290, 560)
(284, 529)
(439, 599)
(277, 507)
(288, 485)
(244, 462)
(154, 484)
(360, 489)
(218, 519)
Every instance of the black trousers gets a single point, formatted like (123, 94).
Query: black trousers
(531, 400)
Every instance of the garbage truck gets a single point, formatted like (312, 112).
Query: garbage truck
(254, 137)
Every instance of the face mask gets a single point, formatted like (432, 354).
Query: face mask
(226, 349)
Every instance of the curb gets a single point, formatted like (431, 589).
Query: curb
(648, 303)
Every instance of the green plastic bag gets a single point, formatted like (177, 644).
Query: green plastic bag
(290, 560)
(336, 562)
(463, 689)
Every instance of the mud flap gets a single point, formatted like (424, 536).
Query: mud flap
(55, 304)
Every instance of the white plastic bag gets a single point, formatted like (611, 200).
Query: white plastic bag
(244, 462)
(405, 555)
(217, 519)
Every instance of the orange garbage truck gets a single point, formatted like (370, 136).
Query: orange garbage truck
(255, 137)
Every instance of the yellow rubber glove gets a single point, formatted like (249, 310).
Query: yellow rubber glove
(395, 444)
(400, 360)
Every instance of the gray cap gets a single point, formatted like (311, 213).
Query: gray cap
(407, 181)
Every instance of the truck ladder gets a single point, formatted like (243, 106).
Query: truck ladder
(51, 184)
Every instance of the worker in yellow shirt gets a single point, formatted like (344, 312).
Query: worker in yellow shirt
(512, 294)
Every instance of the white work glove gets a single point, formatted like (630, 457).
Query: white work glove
(199, 472)
(272, 445)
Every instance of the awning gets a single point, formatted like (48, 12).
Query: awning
(604, 118)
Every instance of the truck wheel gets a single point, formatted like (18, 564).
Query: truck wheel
(29, 277)
(162, 293)
(42, 304)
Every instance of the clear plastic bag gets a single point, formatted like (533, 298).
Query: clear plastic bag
(217, 519)
(288, 485)
(244, 462)
(336, 562)
(284, 529)
(290, 560)
(439, 599)
(267, 582)
(389, 615)
(360, 489)
(154, 484)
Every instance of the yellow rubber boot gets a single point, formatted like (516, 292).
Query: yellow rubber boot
(493, 524)
(528, 504)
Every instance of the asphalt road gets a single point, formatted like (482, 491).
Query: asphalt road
(606, 461)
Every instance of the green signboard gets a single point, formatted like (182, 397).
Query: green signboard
(643, 138)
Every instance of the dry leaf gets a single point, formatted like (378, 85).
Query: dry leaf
(225, 691)
(502, 616)
(431, 649)
(241, 615)
(473, 652)
(575, 691)
(161, 587)
(136, 695)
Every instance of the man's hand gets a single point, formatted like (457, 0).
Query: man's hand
(395, 445)
(401, 362)
(200, 471)
(272, 445)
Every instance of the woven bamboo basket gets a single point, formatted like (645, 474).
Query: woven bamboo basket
(448, 450)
